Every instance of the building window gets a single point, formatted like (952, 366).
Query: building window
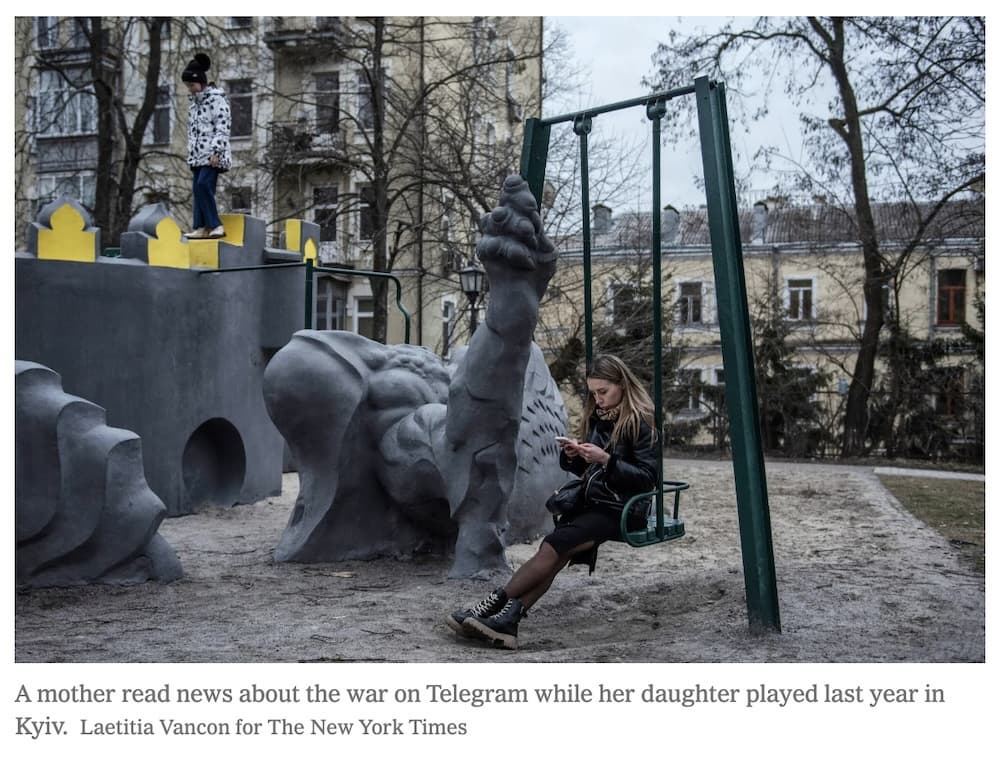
(241, 200)
(887, 303)
(364, 316)
(623, 302)
(241, 104)
(449, 314)
(689, 303)
(46, 32)
(160, 125)
(951, 297)
(949, 391)
(328, 23)
(80, 186)
(66, 104)
(689, 390)
(366, 106)
(800, 299)
(78, 33)
(484, 36)
(325, 212)
(366, 213)
(329, 305)
(240, 22)
(327, 103)
(153, 196)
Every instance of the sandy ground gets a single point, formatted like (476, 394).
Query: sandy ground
(859, 580)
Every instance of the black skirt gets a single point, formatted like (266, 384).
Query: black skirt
(591, 525)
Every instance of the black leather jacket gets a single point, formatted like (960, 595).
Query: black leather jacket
(631, 470)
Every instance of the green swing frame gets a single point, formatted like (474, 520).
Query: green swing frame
(734, 327)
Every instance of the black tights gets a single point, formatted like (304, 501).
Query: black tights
(534, 578)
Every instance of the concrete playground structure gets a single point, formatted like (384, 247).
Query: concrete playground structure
(84, 513)
(398, 452)
(395, 455)
(168, 342)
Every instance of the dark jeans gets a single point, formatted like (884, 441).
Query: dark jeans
(206, 215)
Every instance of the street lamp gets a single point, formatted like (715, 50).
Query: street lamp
(473, 280)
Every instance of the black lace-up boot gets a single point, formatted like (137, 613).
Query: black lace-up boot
(500, 629)
(492, 604)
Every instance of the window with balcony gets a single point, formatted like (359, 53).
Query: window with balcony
(241, 106)
(327, 103)
(689, 303)
(800, 300)
(325, 212)
(951, 297)
(66, 104)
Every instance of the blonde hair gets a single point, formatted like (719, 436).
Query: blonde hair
(636, 406)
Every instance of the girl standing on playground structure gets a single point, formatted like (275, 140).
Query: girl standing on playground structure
(617, 461)
(209, 122)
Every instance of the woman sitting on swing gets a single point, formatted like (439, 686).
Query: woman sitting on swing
(617, 461)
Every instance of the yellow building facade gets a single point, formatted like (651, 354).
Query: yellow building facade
(804, 260)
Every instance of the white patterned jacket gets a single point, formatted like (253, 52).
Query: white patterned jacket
(209, 122)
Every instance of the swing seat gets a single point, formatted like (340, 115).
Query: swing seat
(658, 526)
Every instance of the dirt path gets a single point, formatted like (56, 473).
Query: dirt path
(859, 580)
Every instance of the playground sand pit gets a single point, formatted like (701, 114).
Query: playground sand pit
(859, 580)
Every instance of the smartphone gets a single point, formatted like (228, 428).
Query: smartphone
(564, 440)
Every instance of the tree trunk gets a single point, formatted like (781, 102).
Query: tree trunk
(381, 187)
(133, 137)
(849, 129)
(105, 189)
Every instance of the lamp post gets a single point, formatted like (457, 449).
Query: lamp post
(473, 280)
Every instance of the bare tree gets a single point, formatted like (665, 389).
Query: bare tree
(90, 61)
(423, 108)
(906, 123)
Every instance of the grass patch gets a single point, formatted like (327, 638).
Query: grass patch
(954, 507)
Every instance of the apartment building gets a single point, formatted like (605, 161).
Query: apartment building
(392, 134)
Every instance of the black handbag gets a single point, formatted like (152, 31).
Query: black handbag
(566, 498)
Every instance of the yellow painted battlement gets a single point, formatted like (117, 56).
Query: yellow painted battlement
(297, 240)
(169, 248)
(69, 237)
(63, 231)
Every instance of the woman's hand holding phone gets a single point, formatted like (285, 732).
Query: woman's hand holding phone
(569, 446)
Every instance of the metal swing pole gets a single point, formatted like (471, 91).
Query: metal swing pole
(737, 358)
(655, 111)
(581, 127)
